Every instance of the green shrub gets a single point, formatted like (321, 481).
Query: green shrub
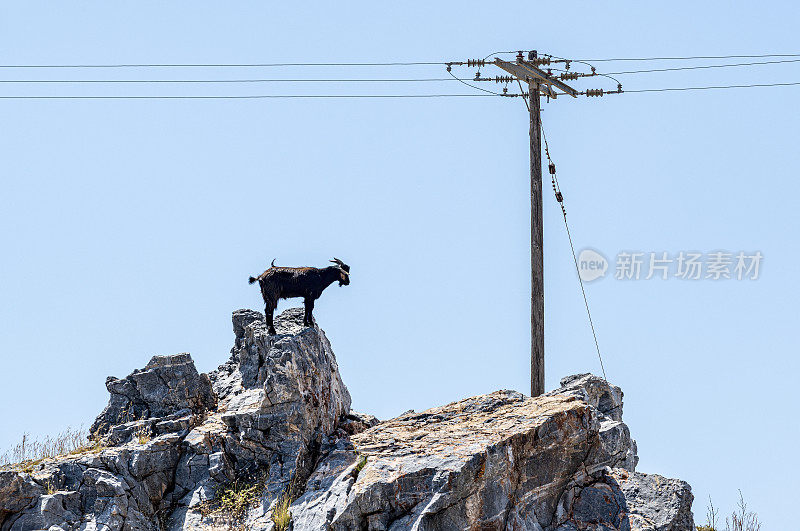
(362, 462)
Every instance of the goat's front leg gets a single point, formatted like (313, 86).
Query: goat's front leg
(308, 318)
(268, 310)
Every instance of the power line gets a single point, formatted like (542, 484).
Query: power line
(754, 85)
(367, 80)
(370, 80)
(497, 53)
(260, 96)
(372, 96)
(221, 65)
(366, 64)
(691, 58)
(473, 86)
(560, 199)
(703, 67)
(350, 80)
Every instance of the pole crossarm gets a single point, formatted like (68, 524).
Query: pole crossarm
(528, 73)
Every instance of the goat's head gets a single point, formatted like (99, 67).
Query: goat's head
(344, 272)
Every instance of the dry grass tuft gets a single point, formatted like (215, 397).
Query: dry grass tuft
(28, 453)
(143, 434)
(281, 515)
(233, 501)
(740, 520)
(49, 487)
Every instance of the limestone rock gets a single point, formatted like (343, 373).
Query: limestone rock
(605, 399)
(356, 422)
(595, 391)
(281, 397)
(487, 462)
(656, 503)
(497, 461)
(17, 493)
(289, 394)
(119, 488)
(166, 385)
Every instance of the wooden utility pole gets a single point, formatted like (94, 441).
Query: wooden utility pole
(551, 85)
(538, 82)
(537, 254)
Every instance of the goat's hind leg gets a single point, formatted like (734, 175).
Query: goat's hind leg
(269, 309)
(308, 318)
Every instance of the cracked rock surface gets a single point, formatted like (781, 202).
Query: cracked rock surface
(166, 385)
(563, 462)
(277, 410)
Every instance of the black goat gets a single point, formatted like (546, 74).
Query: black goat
(307, 282)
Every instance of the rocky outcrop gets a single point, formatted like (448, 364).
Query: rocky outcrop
(656, 503)
(498, 461)
(494, 461)
(280, 398)
(17, 493)
(606, 403)
(166, 386)
(277, 414)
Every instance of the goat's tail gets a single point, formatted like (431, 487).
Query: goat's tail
(252, 280)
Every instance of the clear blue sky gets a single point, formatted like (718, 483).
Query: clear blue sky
(129, 228)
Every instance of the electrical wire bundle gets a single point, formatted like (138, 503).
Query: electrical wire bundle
(15, 85)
